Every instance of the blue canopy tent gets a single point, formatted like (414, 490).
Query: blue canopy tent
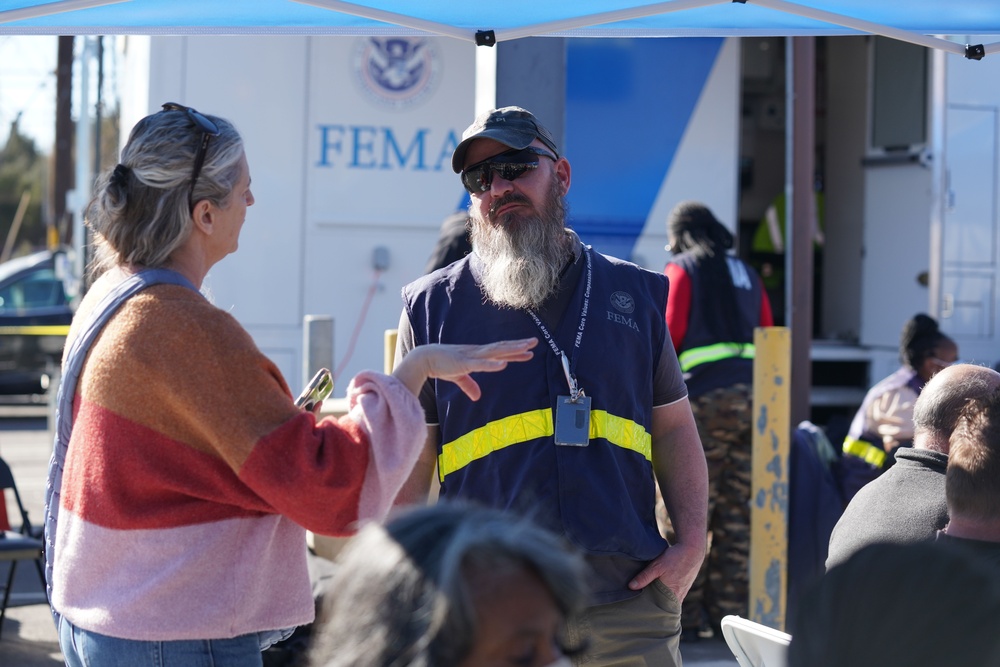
(923, 22)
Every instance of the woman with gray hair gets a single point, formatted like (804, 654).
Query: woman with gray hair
(452, 585)
(184, 476)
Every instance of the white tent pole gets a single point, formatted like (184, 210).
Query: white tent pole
(391, 17)
(486, 80)
(84, 177)
(939, 112)
(604, 17)
(863, 26)
(10, 15)
(525, 31)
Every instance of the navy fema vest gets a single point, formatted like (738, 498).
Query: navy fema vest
(500, 450)
(708, 360)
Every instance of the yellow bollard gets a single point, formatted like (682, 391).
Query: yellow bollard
(769, 500)
(389, 353)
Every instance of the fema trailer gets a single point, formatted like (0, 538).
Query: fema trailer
(349, 142)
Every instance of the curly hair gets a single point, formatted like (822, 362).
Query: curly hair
(694, 229)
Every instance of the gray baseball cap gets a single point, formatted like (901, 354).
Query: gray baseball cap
(511, 126)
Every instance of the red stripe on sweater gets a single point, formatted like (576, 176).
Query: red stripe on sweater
(123, 475)
(313, 473)
(120, 474)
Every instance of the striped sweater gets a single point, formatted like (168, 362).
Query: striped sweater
(191, 477)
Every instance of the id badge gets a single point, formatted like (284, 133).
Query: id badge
(573, 421)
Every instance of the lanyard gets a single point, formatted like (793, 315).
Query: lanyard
(574, 389)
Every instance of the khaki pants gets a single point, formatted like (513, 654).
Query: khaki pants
(643, 631)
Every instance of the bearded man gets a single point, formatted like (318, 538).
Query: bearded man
(575, 437)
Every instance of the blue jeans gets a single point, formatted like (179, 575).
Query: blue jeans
(89, 649)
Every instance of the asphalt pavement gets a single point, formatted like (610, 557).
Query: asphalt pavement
(28, 636)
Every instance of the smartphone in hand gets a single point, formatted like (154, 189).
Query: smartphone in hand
(316, 391)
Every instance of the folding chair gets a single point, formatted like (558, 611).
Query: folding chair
(755, 645)
(17, 546)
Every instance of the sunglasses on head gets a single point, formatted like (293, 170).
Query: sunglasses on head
(510, 165)
(208, 130)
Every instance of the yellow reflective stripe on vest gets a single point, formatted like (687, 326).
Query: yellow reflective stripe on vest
(492, 437)
(36, 330)
(864, 450)
(622, 432)
(526, 426)
(702, 355)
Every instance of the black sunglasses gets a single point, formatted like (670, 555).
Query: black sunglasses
(511, 165)
(208, 130)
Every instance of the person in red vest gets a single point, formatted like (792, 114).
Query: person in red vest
(715, 302)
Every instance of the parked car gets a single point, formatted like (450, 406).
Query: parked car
(35, 313)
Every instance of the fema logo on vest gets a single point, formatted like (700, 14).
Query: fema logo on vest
(397, 72)
(624, 304)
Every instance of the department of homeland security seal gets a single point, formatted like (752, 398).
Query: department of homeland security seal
(396, 72)
(623, 302)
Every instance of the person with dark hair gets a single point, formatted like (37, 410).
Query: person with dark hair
(183, 476)
(972, 481)
(452, 585)
(579, 437)
(453, 242)
(715, 302)
(884, 421)
(907, 503)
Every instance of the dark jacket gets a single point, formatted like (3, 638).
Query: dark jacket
(906, 504)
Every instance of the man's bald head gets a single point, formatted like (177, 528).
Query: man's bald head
(940, 403)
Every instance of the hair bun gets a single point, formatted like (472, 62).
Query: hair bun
(924, 325)
(119, 177)
(918, 339)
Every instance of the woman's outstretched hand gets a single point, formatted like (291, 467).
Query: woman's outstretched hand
(456, 363)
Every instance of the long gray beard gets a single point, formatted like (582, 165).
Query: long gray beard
(523, 257)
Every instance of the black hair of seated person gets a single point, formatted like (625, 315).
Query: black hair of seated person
(918, 340)
(891, 605)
